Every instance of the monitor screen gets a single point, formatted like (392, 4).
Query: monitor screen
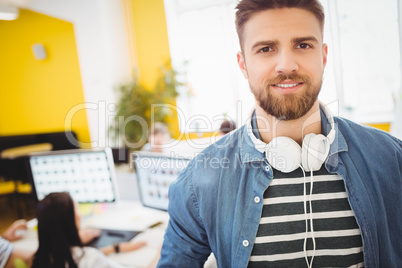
(88, 175)
(155, 172)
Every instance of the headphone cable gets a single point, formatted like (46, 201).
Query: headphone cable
(309, 264)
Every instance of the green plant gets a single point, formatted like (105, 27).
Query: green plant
(136, 102)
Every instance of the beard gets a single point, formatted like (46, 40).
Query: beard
(287, 106)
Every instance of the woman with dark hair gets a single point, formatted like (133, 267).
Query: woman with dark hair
(59, 241)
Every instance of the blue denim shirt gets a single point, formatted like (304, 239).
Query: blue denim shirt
(213, 204)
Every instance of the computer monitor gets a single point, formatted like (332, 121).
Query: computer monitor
(155, 172)
(88, 175)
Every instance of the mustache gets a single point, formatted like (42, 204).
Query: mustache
(280, 78)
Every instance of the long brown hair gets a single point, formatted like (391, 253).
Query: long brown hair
(57, 231)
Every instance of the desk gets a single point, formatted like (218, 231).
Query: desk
(123, 215)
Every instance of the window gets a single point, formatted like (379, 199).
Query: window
(362, 74)
(364, 57)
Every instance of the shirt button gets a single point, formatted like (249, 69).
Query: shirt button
(257, 199)
(245, 243)
(267, 168)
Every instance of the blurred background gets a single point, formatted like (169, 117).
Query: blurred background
(62, 60)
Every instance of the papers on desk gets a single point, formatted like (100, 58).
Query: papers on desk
(129, 216)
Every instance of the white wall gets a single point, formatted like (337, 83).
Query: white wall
(396, 126)
(101, 36)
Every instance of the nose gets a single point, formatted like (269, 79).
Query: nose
(286, 63)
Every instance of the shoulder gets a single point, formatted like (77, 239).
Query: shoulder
(371, 149)
(91, 257)
(218, 154)
(229, 142)
(205, 171)
(365, 135)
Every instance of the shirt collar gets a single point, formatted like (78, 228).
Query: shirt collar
(339, 144)
(249, 153)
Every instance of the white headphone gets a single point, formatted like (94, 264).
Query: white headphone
(286, 155)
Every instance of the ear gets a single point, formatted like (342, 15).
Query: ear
(324, 54)
(241, 61)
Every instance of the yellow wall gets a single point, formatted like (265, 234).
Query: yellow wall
(149, 44)
(35, 96)
(384, 126)
(150, 48)
(148, 25)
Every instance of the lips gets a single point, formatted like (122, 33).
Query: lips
(287, 87)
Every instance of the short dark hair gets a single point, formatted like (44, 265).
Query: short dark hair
(227, 126)
(247, 8)
(57, 231)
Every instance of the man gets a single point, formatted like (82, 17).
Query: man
(7, 252)
(159, 138)
(246, 198)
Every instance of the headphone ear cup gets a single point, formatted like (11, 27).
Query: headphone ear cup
(283, 154)
(314, 151)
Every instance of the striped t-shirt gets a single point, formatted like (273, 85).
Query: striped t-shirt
(5, 251)
(282, 229)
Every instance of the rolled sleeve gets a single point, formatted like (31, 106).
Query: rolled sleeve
(5, 251)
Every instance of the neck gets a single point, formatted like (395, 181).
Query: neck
(270, 127)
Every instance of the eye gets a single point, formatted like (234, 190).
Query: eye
(265, 49)
(304, 46)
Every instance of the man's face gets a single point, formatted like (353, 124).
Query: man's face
(157, 141)
(283, 59)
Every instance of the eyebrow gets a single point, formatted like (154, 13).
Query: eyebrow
(265, 43)
(295, 40)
